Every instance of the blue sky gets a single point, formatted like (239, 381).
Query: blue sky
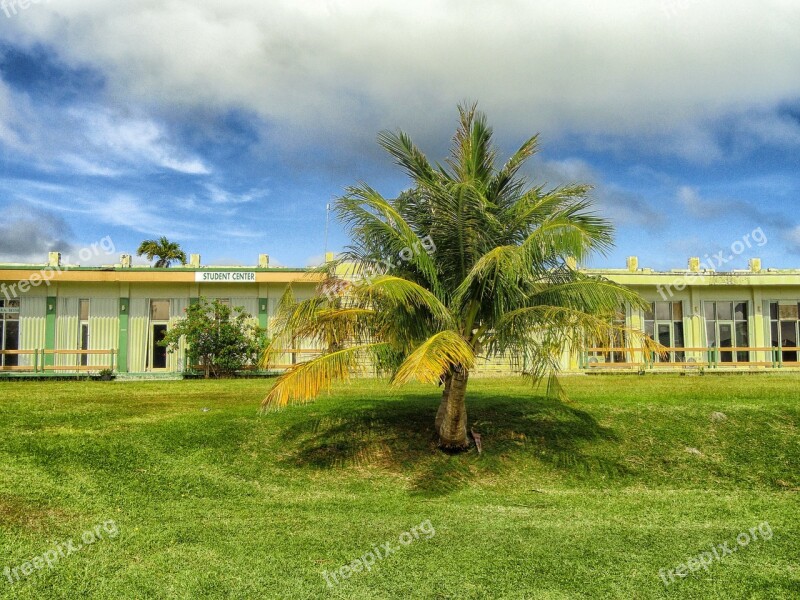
(228, 126)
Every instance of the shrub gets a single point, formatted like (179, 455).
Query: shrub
(221, 340)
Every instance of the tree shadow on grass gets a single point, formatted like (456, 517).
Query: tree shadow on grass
(397, 436)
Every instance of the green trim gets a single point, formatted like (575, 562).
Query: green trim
(263, 313)
(50, 331)
(122, 357)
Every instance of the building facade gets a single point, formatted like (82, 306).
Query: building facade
(59, 318)
(56, 318)
(745, 319)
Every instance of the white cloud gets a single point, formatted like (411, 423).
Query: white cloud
(352, 67)
(218, 195)
(793, 236)
(689, 198)
(135, 140)
(7, 134)
(768, 129)
(118, 210)
(615, 203)
(27, 238)
(86, 167)
(88, 139)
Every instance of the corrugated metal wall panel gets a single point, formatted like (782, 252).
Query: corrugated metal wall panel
(175, 360)
(103, 328)
(32, 324)
(178, 308)
(250, 305)
(137, 335)
(67, 331)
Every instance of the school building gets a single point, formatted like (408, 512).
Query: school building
(67, 319)
(62, 319)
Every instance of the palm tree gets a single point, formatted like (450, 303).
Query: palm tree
(499, 282)
(166, 251)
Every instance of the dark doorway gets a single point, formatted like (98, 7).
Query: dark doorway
(159, 351)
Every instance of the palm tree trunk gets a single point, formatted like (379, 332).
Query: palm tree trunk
(453, 429)
(443, 404)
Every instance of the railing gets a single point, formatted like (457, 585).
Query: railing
(44, 360)
(276, 367)
(294, 353)
(41, 363)
(711, 357)
(18, 353)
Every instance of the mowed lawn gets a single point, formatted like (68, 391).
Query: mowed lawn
(587, 498)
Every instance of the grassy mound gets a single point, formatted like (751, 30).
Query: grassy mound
(585, 498)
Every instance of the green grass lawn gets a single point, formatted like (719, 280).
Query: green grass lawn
(588, 498)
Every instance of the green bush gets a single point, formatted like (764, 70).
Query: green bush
(221, 340)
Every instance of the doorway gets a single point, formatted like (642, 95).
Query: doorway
(158, 353)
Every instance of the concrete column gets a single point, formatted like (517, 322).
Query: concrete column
(757, 326)
(694, 335)
(122, 356)
(50, 330)
(263, 312)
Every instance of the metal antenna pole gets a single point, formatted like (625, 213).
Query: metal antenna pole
(327, 224)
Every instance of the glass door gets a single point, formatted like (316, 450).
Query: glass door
(9, 332)
(664, 324)
(83, 319)
(785, 322)
(725, 337)
(727, 327)
(159, 323)
(789, 340)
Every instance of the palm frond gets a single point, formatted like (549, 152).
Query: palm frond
(400, 292)
(304, 382)
(572, 328)
(408, 156)
(434, 357)
(589, 293)
(385, 233)
(569, 232)
(315, 321)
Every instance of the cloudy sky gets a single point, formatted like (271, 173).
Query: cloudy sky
(229, 125)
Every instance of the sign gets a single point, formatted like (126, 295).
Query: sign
(9, 310)
(225, 276)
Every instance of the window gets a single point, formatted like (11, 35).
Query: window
(159, 310)
(9, 332)
(83, 330)
(784, 320)
(618, 337)
(663, 322)
(614, 345)
(726, 327)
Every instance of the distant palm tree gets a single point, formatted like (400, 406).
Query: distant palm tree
(498, 282)
(166, 251)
